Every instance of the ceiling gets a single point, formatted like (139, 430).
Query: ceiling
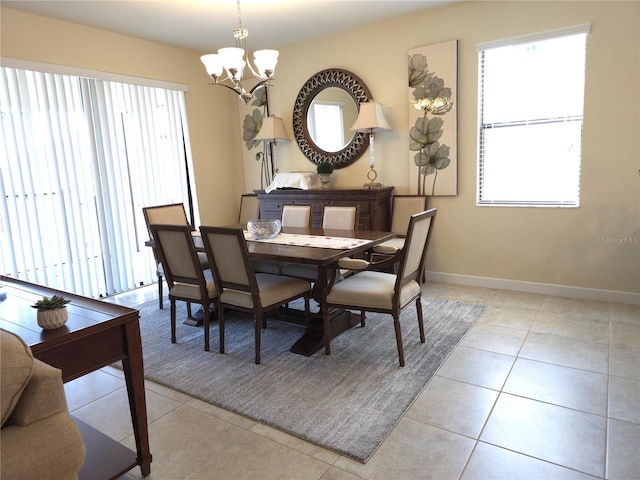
(206, 25)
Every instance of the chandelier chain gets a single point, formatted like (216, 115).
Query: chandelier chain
(240, 33)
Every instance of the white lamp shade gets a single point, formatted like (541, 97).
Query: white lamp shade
(370, 118)
(232, 59)
(213, 64)
(266, 60)
(272, 129)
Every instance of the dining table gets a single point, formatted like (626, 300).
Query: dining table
(320, 248)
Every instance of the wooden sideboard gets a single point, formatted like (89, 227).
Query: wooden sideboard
(374, 204)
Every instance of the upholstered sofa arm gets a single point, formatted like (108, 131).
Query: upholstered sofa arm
(39, 439)
(51, 449)
(43, 397)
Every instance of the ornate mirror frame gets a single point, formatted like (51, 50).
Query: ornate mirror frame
(333, 77)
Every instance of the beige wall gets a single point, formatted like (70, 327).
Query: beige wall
(571, 247)
(215, 142)
(545, 245)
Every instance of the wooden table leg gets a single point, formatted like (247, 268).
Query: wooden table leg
(313, 338)
(134, 377)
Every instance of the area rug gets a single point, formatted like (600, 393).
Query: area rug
(347, 402)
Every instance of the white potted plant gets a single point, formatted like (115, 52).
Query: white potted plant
(52, 312)
(324, 169)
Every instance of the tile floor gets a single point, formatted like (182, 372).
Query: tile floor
(541, 388)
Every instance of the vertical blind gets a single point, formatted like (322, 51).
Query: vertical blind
(80, 158)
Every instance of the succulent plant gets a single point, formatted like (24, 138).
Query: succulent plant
(51, 303)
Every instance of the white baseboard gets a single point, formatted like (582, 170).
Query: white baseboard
(533, 287)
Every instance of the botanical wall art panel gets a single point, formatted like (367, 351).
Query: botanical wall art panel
(433, 134)
(259, 169)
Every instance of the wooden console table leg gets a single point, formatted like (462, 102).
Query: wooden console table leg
(134, 376)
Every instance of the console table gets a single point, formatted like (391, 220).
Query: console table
(97, 334)
(374, 204)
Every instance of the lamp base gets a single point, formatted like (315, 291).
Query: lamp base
(371, 176)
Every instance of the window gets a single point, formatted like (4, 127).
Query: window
(79, 159)
(530, 117)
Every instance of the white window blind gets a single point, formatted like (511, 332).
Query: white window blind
(80, 158)
(530, 119)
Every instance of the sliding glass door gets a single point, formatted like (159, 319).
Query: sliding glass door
(80, 158)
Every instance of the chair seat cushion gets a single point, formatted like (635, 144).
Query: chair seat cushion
(17, 368)
(274, 290)
(371, 290)
(190, 291)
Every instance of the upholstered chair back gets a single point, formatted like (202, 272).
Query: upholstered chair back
(249, 208)
(403, 207)
(340, 218)
(296, 216)
(230, 258)
(177, 252)
(416, 245)
(172, 214)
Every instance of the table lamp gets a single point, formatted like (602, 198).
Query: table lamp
(273, 131)
(371, 119)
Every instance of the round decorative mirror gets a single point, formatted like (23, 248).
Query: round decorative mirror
(329, 118)
(325, 109)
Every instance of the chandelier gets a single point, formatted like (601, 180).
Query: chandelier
(234, 59)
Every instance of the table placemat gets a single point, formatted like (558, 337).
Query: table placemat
(318, 241)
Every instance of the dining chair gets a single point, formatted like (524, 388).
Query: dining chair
(240, 287)
(377, 291)
(340, 218)
(249, 208)
(186, 279)
(403, 206)
(169, 214)
(333, 218)
(296, 216)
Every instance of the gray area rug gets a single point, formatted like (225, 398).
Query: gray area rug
(347, 402)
